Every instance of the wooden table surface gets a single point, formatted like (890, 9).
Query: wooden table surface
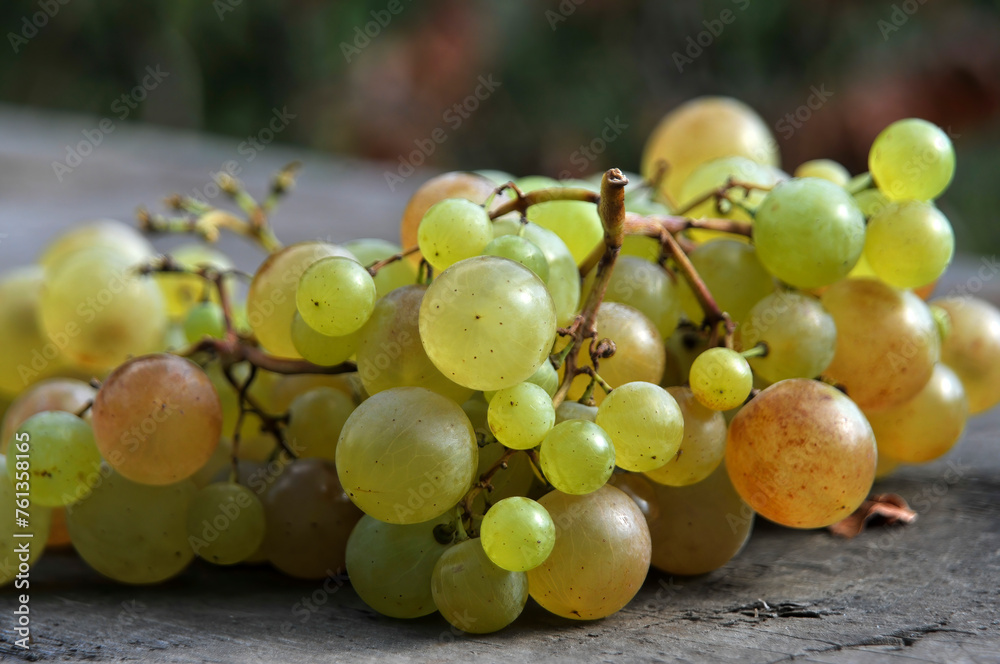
(926, 592)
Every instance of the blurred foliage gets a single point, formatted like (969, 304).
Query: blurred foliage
(565, 68)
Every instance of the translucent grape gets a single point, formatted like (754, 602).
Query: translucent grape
(641, 246)
(318, 348)
(912, 159)
(702, 448)
(546, 378)
(122, 239)
(55, 452)
(407, 455)
(65, 394)
(721, 379)
(225, 523)
(469, 186)
(391, 565)
(535, 182)
(452, 230)
(103, 310)
(390, 353)
(564, 277)
(696, 528)
(521, 415)
(133, 533)
(928, 425)
(577, 457)
(909, 244)
(801, 454)
(701, 130)
(800, 335)
(826, 169)
(205, 319)
(574, 410)
(972, 349)
(389, 278)
(316, 419)
(472, 593)
(518, 534)
(308, 520)
(575, 222)
(601, 555)
(487, 323)
(733, 274)
(714, 174)
(183, 291)
(520, 251)
(887, 342)
(271, 301)
(39, 525)
(644, 423)
(336, 296)
(157, 419)
(640, 354)
(809, 232)
(643, 286)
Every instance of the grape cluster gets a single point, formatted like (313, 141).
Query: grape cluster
(548, 388)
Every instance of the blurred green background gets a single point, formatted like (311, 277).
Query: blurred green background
(565, 69)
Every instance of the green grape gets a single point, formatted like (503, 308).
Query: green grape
(531, 183)
(392, 276)
(309, 519)
(407, 455)
(29, 352)
(825, 169)
(39, 526)
(701, 130)
(472, 593)
(800, 335)
(801, 454)
(574, 410)
(644, 423)
(390, 353)
(102, 309)
(909, 244)
(316, 419)
(640, 354)
(520, 251)
(702, 448)
(518, 534)
(601, 556)
(871, 202)
(887, 342)
(157, 419)
(733, 274)
(928, 425)
(225, 523)
(55, 452)
(284, 389)
(972, 349)
(721, 379)
(271, 301)
(521, 415)
(487, 323)
(912, 159)
(575, 222)
(183, 291)
(577, 457)
(115, 236)
(452, 230)
(642, 246)
(643, 286)
(696, 528)
(391, 565)
(714, 174)
(546, 378)
(336, 296)
(809, 232)
(133, 533)
(321, 349)
(65, 394)
(205, 319)
(564, 276)
(457, 184)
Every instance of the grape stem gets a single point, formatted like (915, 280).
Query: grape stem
(272, 424)
(522, 202)
(760, 350)
(83, 411)
(389, 260)
(485, 482)
(723, 193)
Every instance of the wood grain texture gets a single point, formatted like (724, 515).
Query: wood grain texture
(926, 592)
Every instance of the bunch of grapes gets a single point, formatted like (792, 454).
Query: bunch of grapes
(545, 389)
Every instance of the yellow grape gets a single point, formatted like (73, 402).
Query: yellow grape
(335, 296)
(452, 230)
(644, 286)
(457, 184)
(909, 244)
(644, 423)
(575, 222)
(122, 239)
(183, 291)
(826, 169)
(577, 457)
(912, 159)
(711, 176)
(521, 415)
(972, 349)
(702, 448)
(316, 419)
(518, 534)
(721, 379)
(318, 348)
(66, 394)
